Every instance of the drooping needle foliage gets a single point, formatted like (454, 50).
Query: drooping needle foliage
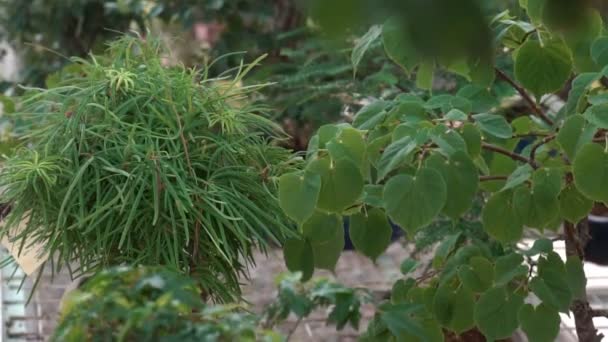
(131, 162)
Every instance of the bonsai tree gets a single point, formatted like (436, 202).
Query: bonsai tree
(126, 161)
(420, 156)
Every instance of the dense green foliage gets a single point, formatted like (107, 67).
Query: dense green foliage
(134, 162)
(414, 158)
(154, 303)
(151, 304)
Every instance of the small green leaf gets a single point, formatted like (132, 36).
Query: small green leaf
(478, 275)
(573, 205)
(598, 115)
(551, 285)
(574, 133)
(540, 246)
(299, 257)
(448, 140)
(341, 183)
(395, 155)
(363, 44)
(509, 267)
(541, 323)
(590, 169)
(519, 176)
(500, 218)
(371, 115)
(479, 96)
(599, 51)
(408, 265)
(372, 195)
(543, 68)
(456, 115)
(413, 202)
(495, 125)
(576, 277)
(424, 76)
(472, 137)
(298, 194)
(496, 313)
(461, 178)
(580, 86)
(370, 232)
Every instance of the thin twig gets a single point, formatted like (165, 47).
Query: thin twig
(293, 330)
(540, 143)
(533, 105)
(492, 178)
(509, 154)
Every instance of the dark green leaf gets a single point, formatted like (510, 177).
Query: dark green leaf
(299, 257)
(298, 194)
(370, 232)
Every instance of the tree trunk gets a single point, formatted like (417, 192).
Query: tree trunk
(576, 238)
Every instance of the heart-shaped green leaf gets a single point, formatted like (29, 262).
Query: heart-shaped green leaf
(478, 275)
(599, 51)
(454, 308)
(496, 313)
(395, 155)
(573, 205)
(326, 253)
(341, 183)
(472, 137)
(500, 218)
(541, 323)
(413, 202)
(370, 232)
(321, 227)
(299, 257)
(298, 194)
(349, 144)
(461, 178)
(543, 68)
(590, 171)
(575, 133)
(494, 125)
(397, 44)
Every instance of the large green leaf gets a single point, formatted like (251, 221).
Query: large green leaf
(541, 324)
(461, 178)
(341, 183)
(349, 143)
(299, 257)
(321, 227)
(574, 133)
(501, 219)
(573, 205)
(543, 68)
(509, 267)
(327, 252)
(370, 232)
(551, 285)
(494, 125)
(496, 313)
(590, 171)
(397, 44)
(454, 308)
(298, 194)
(413, 202)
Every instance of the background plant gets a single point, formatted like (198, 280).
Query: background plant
(415, 157)
(132, 162)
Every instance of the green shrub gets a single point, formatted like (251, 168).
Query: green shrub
(132, 162)
(150, 304)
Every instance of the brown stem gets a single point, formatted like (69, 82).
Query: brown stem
(539, 144)
(509, 154)
(491, 178)
(522, 92)
(576, 238)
